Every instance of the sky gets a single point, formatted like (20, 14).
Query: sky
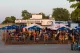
(14, 7)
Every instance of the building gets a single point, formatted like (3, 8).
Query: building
(36, 19)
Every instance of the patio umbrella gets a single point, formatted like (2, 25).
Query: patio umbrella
(14, 26)
(9, 27)
(23, 26)
(37, 28)
(34, 28)
(78, 28)
(63, 28)
(6, 28)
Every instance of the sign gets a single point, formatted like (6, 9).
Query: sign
(42, 21)
(28, 21)
(47, 22)
(33, 21)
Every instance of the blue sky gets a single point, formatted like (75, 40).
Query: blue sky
(14, 7)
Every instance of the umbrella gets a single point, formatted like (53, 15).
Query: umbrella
(34, 28)
(34, 25)
(78, 28)
(9, 27)
(37, 28)
(6, 28)
(14, 26)
(63, 28)
(23, 26)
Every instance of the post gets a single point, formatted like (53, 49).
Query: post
(69, 22)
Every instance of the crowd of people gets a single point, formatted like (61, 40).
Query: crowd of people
(45, 35)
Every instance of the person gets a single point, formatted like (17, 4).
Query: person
(34, 35)
(77, 36)
(60, 38)
(40, 35)
(23, 29)
(17, 37)
(37, 36)
(55, 34)
(29, 35)
(45, 37)
(66, 38)
(9, 37)
(24, 37)
(73, 40)
(3, 36)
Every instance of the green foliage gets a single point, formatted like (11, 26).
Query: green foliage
(44, 16)
(26, 14)
(60, 14)
(13, 19)
(76, 5)
(75, 15)
(9, 20)
(71, 0)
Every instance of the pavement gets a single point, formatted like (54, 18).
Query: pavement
(39, 48)
(36, 48)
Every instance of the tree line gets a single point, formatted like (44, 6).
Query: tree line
(59, 14)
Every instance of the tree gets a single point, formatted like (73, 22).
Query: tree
(44, 16)
(75, 15)
(13, 19)
(60, 14)
(26, 14)
(9, 20)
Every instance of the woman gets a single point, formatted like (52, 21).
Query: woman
(34, 35)
(29, 34)
(61, 37)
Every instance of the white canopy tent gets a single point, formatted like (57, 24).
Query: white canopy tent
(56, 26)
